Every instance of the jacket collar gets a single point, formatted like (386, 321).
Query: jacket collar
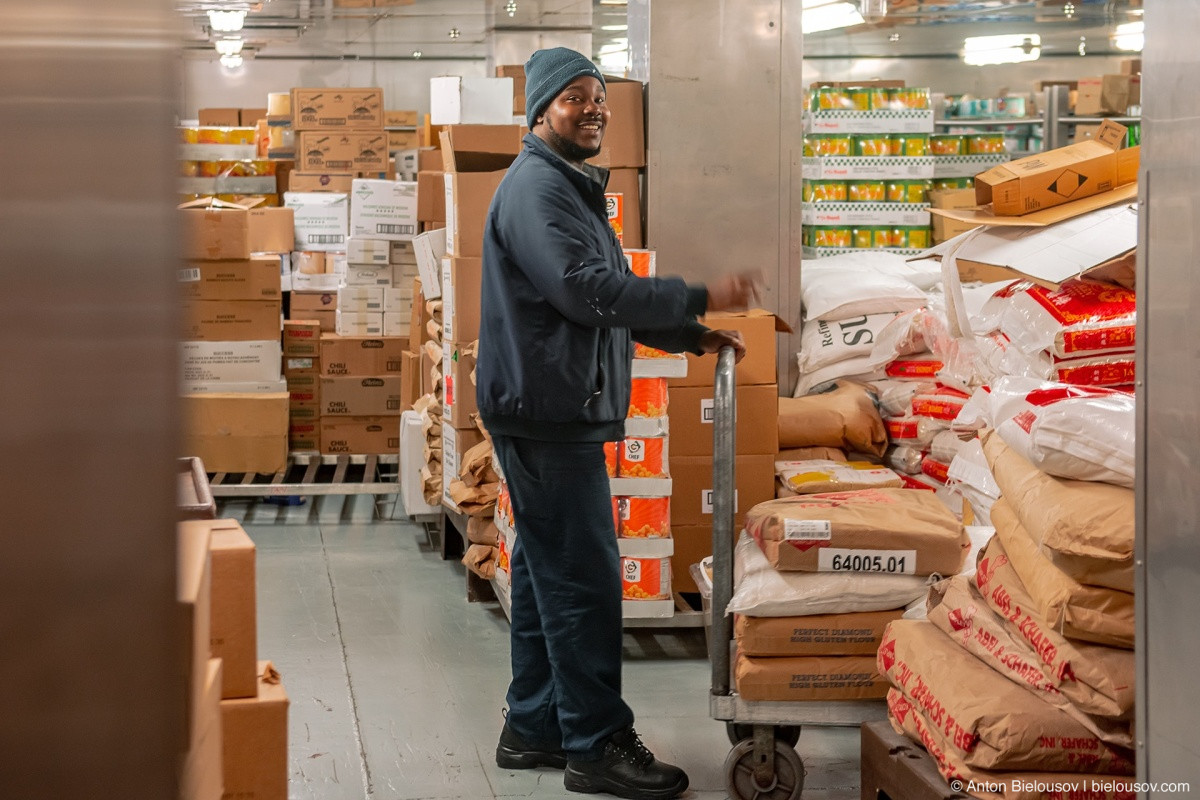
(597, 177)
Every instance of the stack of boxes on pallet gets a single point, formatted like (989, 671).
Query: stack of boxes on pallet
(237, 706)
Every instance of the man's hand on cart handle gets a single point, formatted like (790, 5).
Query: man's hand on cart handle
(736, 291)
(713, 341)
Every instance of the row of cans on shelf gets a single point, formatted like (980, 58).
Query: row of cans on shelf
(868, 236)
(207, 135)
(877, 191)
(867, 98)
(903, 144)
(221, 169)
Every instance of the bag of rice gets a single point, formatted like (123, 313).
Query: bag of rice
(1078, 319)
(826, 342)
(817, 477)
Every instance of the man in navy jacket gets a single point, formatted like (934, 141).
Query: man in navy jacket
(560, 313)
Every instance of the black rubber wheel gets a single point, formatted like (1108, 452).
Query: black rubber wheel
(738, 731)
(787, 779)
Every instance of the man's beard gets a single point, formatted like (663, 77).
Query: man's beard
(568, 149)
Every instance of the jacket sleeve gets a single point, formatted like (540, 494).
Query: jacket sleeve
(679, 340)
(556, 251)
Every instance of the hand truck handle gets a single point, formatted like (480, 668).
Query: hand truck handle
(723, 502)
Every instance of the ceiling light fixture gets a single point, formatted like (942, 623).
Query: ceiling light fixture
(1130, 36)
(895, 37)
(455, 33)
(614, 27)
(1083, 45)
(229, 47)
(1069, 9)
(417, 54)
(227, 21)
(511, 8)
(826, 15)
(1006, 49)
(231, 62)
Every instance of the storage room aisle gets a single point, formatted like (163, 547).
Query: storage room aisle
(396, 683)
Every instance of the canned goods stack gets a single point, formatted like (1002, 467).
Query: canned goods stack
(223, 163)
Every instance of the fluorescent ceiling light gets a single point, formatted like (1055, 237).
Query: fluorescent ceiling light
(1130, 36)
(226, 21)
(614, 27)
(229, 47)
(1007, 49)
(231, 62)
(825, 15)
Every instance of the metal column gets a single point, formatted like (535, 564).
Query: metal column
(90, 678)
(724, 112)
(1168, 338)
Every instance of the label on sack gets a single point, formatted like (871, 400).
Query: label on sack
(892, 562)
(807, 530)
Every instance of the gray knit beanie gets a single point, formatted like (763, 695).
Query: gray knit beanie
(547, 72)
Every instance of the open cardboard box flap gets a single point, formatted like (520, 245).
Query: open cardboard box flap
(212, 202)
(781, 326)
(982, 215)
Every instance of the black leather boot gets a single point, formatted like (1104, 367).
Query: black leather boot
(627, 769)
(513, 752)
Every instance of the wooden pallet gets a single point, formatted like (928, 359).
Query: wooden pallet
(896, 768)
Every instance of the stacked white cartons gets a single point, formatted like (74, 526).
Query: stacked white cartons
(383, 220)
(398, 298)
(321, 231)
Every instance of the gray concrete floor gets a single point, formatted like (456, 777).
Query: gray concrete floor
(397, 683)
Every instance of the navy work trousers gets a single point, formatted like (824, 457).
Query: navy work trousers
(566, 596)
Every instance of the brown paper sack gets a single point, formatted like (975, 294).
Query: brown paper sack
(811, 678)
(433, 351)
(1086, 526)
(1087, 613)
(898, 531)
(477, 501)
(987, 720)
(476, 468)
(482, 530)
(1105, 675)
(481, 559)
(907, 719)
(856, 634)
(845, 418)
(958, 611)
(811, 454)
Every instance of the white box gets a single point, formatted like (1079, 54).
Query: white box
(357, 275)
(324, 282)
(430, 248)
(361, 299)
(336, 264)
(233, 387)
(383, 209)
(397, 300)
(408, 271)
(407, 164)
(456, 100)
(449, 461)
(350, 323)
(322, 219)
(360, 250)
(396, 323)
(231, 361)
(402, 253)
(412, 460)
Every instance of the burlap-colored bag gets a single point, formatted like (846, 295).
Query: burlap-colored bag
(809, 678)
(845, 418)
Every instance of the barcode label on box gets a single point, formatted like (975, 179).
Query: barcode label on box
(326, 238)
(395, 229)
(189, 275)
(707, 413)
(706, 501)
(807, 530)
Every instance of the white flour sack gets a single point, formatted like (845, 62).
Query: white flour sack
(818, 476)
(841, 287)
(1079, 319)
(1074, 432)
(825, 342)
(761, 591)
(895, 396)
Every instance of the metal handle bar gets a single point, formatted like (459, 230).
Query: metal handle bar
(725, 414)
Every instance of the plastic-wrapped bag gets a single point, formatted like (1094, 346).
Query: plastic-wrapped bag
(945, 446)
(904, 459)
(1080, 318)
(828, 293)
(826, 342)
(895, 396)
(970, 477)
(915, 432)
(817, 476)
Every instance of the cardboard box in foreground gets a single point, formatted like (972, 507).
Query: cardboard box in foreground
(255, 740)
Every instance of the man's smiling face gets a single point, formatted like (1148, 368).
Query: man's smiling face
(574, 122)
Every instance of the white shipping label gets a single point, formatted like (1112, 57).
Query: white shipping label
(447, 302)
(451, 213)
(707, 412)
(189, 275)
(807, 530)
(706, 501)
(891, 562)
(631, 570)
(635, 450)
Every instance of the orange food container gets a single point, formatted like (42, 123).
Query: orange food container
(610, 458)
(189, 169)
(240, 136)
(642, 517)
(641, 458)
(213, 136)
(648, 397)
(646, 578)
(504, 504)
(189, 135)
(641, 262)
(210, 169)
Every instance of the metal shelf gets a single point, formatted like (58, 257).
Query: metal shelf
(980, 122)
(1097, 120)
(308, 474)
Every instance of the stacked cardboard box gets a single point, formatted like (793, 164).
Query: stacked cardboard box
(235, 401)
(201, 779)
(302, 371)
(375, 294)
(624, 156)
(402, 133)
(360, 389)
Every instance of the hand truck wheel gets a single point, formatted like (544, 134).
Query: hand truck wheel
(737, 731)
(786, 780)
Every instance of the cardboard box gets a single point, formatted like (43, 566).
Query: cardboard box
(250, 116)
(305, 434)
(230, 361)
(358, 323)
(397, 301)
(220, 117)
(817, 635)
(361, 356)
(627, 183)
(356, 396)
(430, 248)
(691, 498)
(1108, 94)
(367, 251)
(341, 151)
(255, 747)
(360, 299)
(301, 365)
(1131, 66)
(193, 587)
(758, 329)
(455, 444)
(458, 389)
(517, 73)
(944, 227)
(322, 219)
(272, 230)
(457, 100)
(301, 338)
(403, 252)
(475, 159)
(303, 388)
(462, 285)
(300, 181)
(401, 119)
(313, 302)
(410, 380)
(625, 137)
(403, 140)
(213, 230)
(234, 633)
(810, 678)
(311, 262)
(418, 320)
(231, 320)
(431, 197)
(237, 432)
(383, 210)
(246, 279)
(324, 108)
(202, 777)
(358, 276)
(1059, 176)
(756, 431)
(692, 544)
(360, 435)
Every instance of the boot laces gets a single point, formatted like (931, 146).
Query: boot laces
(632, 750)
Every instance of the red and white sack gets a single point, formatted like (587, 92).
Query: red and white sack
(1112, 370)
(903, 336)
(971, 478)
(941, 403)
(936, 469)
(987, 720)
(826, 342)
(1099, 680)
(895, 396)
(913, 431)
(917, 367)
(1080, 318)
(857, 369)
(945, 446)
(957, 609)
(759, 590)
(904, 459)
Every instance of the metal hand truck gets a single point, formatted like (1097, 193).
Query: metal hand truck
(763, 764)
